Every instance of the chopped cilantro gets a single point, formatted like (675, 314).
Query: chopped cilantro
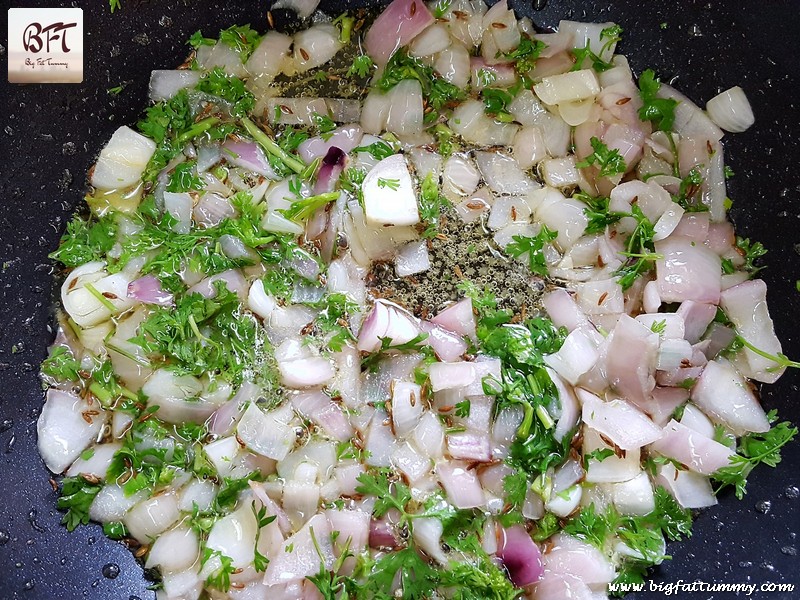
(610, 162)
(534, 248)
(661, 111)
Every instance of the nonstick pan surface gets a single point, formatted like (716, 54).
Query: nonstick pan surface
(52, 133)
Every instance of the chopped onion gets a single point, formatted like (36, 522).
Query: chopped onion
(731, 110)
(520, 556)
(396, 26)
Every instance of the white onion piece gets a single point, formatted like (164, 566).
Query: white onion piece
(174, 550)
(519, 555)
(622, 423)
(221, 55)
(568, 87)
(233, 280)
(453, 64)
(724, 394)
(600, 297)
(267, 59)
(315, 46)
(63, 432)
(451, 375)
(319, 408)
(265, 433)
(691, 490)
(502, 174)
(672, 354)
(200, 492)
(406, 407)
(111, 503)
(152, 516)
(164, 84)
(576, 356)
(458, 318)
(178, 397)
(427, 534)
(570, 409)
(148, 290)
(690, 121)
(731, 110)
(634, 497)
(687, 271)
(353, 528)
(122, 160)
(612, 469)
(303, 111)
(432, 40)
(460, 484)
(746, 307)
(412, 259)
(582, 34)
(560, 172)
(631, 359)
(306, 372)
(564, 503)
(562, 215)
(564, 312)
(380, 440)
(385, 321)
(696, 419)
(428, 436)
(699, 453)
(390, 205)
(668, 222)
(82, 305)
(411, 463)
(697, 316)
(470, 446)
(529, 147)
(405, 114)
(179, 205)
(574, 558)
(303, 8)
(471, 122)
(97, 464)
(249, 155)
(346, 138)
(395, 27)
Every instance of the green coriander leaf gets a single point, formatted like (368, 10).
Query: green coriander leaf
(242, 39)
(431, 203)
(231, 89)
(86, 241)
(75, 498)
(197, 40)
(525, 55)
(751, 252)
(184, 178)
(755, 449)
(661, 111)
(361, 67)
(610, 162)
(600, 454)
(534, 248)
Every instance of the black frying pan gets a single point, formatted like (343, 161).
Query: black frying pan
(53, 132)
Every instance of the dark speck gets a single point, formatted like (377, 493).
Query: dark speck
(142, 39)
(111, 571)
(68, 149)
(165, 21)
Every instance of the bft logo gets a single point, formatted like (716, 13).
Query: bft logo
(32, 37)
(45, 45)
